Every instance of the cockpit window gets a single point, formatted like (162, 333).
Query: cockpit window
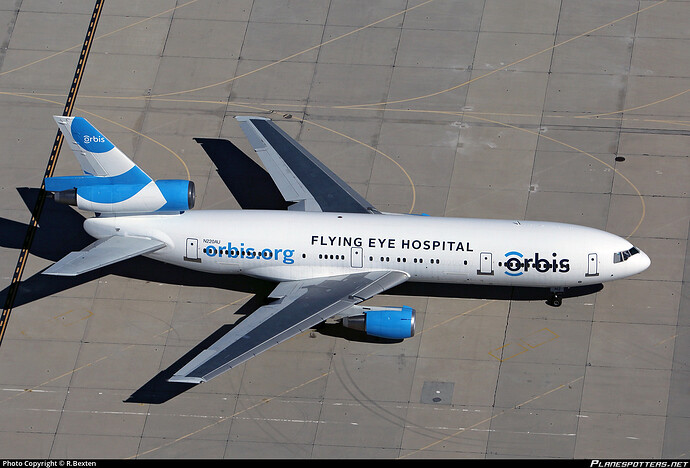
(624, 255)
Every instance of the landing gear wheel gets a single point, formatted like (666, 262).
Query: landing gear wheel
(556, 300)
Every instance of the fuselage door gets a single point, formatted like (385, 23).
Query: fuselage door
(592, 265)
(486, 266)
(192, 251)
(356, 257)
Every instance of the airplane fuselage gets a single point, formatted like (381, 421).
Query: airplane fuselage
(287, 245)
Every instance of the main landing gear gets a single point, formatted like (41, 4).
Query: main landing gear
(556, 297)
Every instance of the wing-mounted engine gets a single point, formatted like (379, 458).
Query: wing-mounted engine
(395, 323)
(112, 183)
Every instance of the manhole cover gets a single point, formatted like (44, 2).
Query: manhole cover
(437, 393)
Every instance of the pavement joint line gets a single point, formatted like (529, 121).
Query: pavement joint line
(136, 23)
(52, 161)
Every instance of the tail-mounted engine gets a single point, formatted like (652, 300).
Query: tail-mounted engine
(91, 194)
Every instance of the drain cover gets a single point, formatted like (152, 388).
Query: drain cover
(437, 393)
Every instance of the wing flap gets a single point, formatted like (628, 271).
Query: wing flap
(300, 177)
(302, 305)
(101, 253)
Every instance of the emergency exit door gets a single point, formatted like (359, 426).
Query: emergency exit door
(356, 257)
(486, 265)
(192, 251)
(592, 265)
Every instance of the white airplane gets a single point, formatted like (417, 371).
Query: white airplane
(328, 252)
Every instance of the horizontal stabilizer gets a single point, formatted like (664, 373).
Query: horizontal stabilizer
(101, 253)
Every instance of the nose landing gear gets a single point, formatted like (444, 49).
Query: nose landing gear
(556, 298)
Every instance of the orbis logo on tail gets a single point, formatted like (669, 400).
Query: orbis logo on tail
(517, 264)
(94, 139)
(88, 137)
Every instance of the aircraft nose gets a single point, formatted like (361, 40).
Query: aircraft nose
(640, 262)
(644, 261)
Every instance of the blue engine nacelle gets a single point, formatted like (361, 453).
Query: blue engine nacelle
(179, 194)
(395, 323)
(158, 196)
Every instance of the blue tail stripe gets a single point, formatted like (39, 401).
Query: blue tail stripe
(109, 193)
(132, 176)
(58, 184)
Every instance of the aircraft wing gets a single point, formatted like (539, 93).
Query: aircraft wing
(300, 177)
(101, 253)
(300, 305)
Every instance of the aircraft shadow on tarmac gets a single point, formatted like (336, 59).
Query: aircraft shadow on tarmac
(60, 232)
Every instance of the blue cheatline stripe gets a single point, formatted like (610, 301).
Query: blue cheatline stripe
(86, 136)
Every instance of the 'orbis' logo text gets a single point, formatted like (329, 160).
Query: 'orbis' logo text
(94, 139)
(230, 251)
(517, 264)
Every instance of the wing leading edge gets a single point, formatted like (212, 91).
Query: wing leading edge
(300, 177)
(300, 305)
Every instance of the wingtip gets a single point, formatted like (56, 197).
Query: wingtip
(185, 379)
(245, 118)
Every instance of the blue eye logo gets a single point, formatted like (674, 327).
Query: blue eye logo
(513, 264)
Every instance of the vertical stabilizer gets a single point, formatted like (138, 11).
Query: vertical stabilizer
(97, 156)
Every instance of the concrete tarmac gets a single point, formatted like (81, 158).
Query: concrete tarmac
(529, 109)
